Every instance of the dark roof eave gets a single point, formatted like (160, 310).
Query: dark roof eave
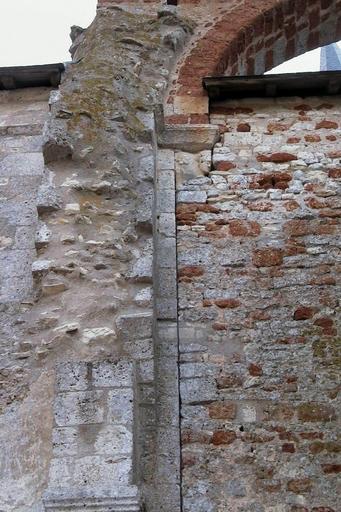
(31, 76)
(291, 84)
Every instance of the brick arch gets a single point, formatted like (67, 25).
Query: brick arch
(252, 39)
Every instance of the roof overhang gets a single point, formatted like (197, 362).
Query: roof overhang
(31, 76)
(291, 84)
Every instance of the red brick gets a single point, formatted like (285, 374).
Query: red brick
(227, 303)
(334, 154)
(191, 272)
(244, 228)
(223, 437)
(219, 326)
(177, 119)
(299, 485)
(255, 370)
(293, 340)
(325, 124)
(327, 324)
(315, 412)
(291, 205)
(332, 213)
(288, 448)
(315, 203)
(207, 208)
(299, 227)
(243, 127)
(312, 138)
(270, 486)
(224, 166)
(334, 173)
(212, 235)
(329, 469)
(189, 436)
(222, 410)
(186, 213)
(304, 313)
(278, 158)
(324, 281)
(267, 257)
(278, 127)
(262, 181)
(199, 119)
(292, 248)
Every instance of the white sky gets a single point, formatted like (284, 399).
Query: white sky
(37, 31)
(309, 61)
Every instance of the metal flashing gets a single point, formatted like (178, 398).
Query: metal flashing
(291, 84)
(31, 76)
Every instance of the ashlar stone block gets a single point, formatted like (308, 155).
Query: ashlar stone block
(112, 374)
(72, 377)
(80, 407)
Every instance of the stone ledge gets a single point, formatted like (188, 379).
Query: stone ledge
(191, 138)
(125, 499)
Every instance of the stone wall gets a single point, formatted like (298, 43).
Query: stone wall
(257, 241)
(92, 315)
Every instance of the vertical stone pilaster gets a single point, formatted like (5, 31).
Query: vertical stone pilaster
(167, 471)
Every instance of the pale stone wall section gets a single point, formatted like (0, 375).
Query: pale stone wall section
(95, 428)
(22, 115)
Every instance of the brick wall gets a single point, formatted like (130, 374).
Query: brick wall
(258, 296)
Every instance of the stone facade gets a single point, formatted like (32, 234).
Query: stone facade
(169, 274)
